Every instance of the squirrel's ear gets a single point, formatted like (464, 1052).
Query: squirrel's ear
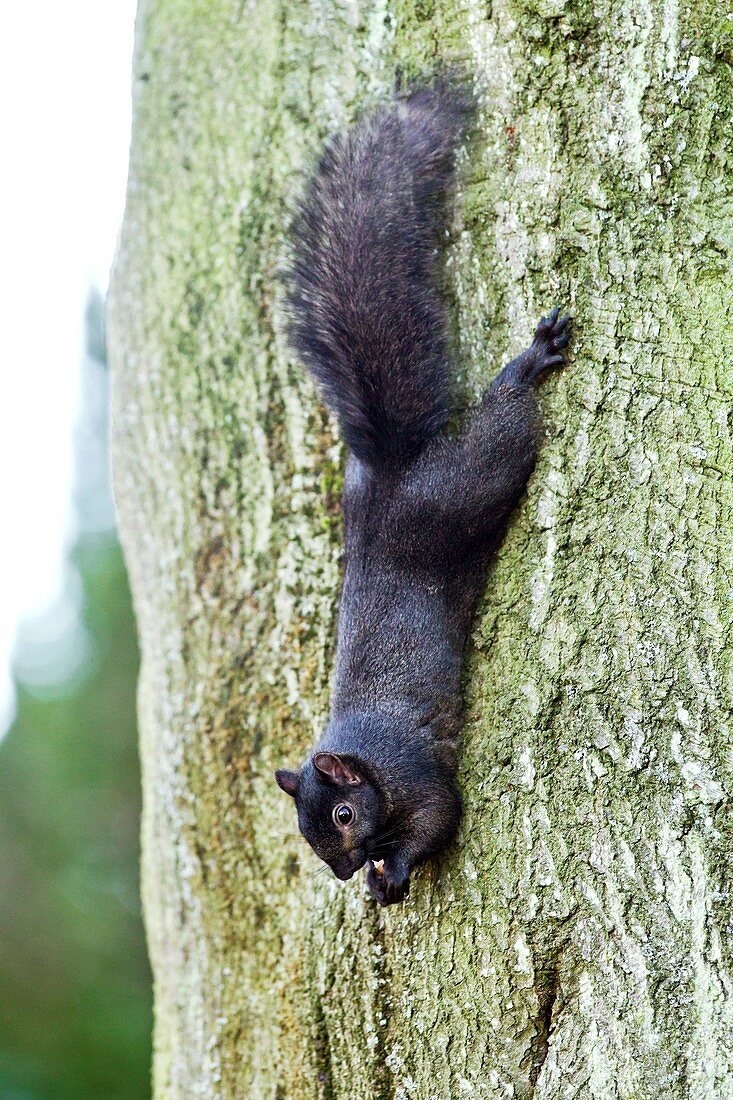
(287, 781)
(339, 769)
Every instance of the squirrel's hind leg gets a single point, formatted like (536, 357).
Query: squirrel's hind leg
(462, 491)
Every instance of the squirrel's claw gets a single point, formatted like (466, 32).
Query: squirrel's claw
(389, 887)
(551, 338)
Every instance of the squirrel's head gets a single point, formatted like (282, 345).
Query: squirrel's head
(341, 812)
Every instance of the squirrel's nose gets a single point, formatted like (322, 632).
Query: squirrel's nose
(342, 872)
(349, 863)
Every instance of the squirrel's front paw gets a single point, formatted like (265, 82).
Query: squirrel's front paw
(551, 338)
(390, 883)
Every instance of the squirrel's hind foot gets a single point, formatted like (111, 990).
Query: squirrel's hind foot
(551, 339)
(547, 350)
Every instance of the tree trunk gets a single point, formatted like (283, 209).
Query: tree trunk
(576, 940)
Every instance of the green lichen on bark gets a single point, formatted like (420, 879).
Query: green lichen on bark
(576, 940)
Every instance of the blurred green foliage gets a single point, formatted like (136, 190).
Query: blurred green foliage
(75, 989)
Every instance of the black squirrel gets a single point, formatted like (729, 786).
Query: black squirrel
(422, 510)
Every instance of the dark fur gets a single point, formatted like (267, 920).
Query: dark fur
(367, 319)
(422, 511)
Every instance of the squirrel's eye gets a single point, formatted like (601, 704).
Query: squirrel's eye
(343, 814)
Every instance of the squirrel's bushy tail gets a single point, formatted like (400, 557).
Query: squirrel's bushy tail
(366, 315)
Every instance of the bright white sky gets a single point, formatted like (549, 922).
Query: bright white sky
(65, 72)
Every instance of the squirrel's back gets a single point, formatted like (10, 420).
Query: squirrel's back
(366, 315)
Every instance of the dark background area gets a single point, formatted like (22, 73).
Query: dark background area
(75, 988)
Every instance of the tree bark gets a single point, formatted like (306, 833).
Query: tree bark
(576, 940)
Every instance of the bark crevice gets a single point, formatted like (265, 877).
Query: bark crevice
(546, 987)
